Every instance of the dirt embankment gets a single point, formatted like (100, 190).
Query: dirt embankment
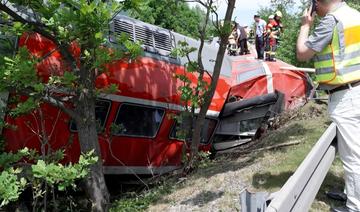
(217, 186)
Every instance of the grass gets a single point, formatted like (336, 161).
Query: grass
(286, 161)
(140, 201)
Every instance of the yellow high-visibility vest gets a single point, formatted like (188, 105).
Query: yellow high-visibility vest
(339, 62)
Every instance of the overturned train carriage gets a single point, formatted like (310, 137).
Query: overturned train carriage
(248, 93)
(147, 142)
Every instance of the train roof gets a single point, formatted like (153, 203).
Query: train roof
(161, 42)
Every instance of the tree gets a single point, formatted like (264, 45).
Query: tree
(185, 20)
(73, 24)
(354, 4)
(199, 96)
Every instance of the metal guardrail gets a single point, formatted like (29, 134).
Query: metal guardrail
(300, 190)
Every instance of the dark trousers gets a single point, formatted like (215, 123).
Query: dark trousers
(243, 47)
(259, 42)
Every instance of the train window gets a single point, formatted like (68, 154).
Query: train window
(102, 108)
(138, 121)
(207, 131)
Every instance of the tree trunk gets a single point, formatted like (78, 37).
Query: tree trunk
(196, 138)
(88, 139)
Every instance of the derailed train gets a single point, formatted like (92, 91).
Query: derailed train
(249, 92)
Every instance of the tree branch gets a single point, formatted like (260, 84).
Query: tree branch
(59, 104)
(41, 29)
(37, 27)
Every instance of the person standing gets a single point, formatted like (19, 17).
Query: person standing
(271, 36)
(279, 25)
(260, 30)
(233, 41)
(335, 48)
(243, 41)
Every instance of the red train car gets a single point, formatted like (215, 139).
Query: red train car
(146, 141)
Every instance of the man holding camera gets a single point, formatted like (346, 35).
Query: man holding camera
(335, 49)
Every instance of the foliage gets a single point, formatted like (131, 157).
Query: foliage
(140, 202)
(192, 94)
(8, 160)
(197, 95)
(11, 186)
(205, 160)
(13, 181)
(174, 15)
(63, 176)
(353, 3)
(79, 29)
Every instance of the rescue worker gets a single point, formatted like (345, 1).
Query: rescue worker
(271, 36)
(279, 25)
(335, 48)
(260, 30)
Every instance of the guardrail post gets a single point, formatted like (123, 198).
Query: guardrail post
(253, 202)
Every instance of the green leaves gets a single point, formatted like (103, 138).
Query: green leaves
(186, 20)
(133, 49)
(111, 89)
(192, 94)
(39, 87)
(68, 79)
(8, 159)
(25, 107)
(99, 35)
(55, 174)
(80, 30)
(63, 176)
(19, 72)
(84, 22)
(183, 50)
(87, 9)
(19, 28)
(11, 186)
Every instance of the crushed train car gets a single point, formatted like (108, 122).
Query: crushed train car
(147, 142)
(248, 92)
(261, 90)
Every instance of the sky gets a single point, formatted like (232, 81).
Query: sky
(244, 10)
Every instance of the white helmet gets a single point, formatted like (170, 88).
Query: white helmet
(271, 17)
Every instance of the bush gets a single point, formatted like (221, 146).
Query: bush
(43, 178)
